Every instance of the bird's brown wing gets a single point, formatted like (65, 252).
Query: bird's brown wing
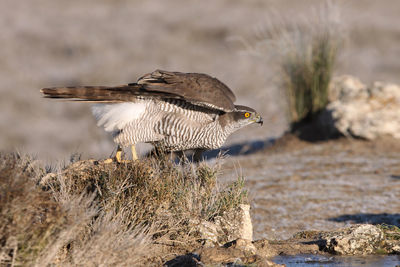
(198, 89)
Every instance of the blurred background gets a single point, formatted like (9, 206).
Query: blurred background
(48, 43)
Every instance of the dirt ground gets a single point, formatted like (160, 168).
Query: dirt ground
(295, 185)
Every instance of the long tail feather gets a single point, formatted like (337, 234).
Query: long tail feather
(122, 93)
(92, 93)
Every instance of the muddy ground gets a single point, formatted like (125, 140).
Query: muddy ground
(295, 185)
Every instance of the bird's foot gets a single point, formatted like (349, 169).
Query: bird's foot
(115, 159)
(108, 161)
(125, 161)
(118, 157)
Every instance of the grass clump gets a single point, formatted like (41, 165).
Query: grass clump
(92, 213)
(308, 60)
(307, 68)
(306, 53)
(29, 217)
(145, 189)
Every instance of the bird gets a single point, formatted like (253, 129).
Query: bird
(173, 111)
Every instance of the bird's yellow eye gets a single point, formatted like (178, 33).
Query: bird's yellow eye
(247, 114)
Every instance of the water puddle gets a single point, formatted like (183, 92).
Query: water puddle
(309, 260)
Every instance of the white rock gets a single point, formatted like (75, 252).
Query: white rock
(360, 239)
(232, 225)
(366, 112)
(237, 224)
(246, 231)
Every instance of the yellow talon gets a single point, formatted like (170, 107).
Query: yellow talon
(108, 161)
(118, 155)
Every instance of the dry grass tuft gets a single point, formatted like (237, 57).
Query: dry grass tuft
(29, 217)
(92, 213)
(306, 50)
(308, 58)
(154, 193)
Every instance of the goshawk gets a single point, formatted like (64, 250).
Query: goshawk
(172, 110)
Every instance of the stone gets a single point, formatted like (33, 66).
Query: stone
(230, 226)
(236, 224)
(237, 252)
(206, 231)
(364, 111)
(361, 239)
(265, 249)
(394, 247)
(242, 245)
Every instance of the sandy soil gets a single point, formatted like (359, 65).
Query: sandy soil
(295, 185)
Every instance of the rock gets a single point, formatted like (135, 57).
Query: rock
(207, 231)
(362, 111)
(189, 260)
(265, 249)
(225, 256)
(392, 246)
(243, 245)
(292, 246)
(236, 224)
(240, 251)
(362, 239)
(230, 226)
(246, 231)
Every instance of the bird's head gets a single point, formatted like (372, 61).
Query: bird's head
(241, 116)
(245, 115)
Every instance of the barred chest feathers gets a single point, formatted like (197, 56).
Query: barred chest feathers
(174, 124)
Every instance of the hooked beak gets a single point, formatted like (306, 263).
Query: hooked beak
(259, 120)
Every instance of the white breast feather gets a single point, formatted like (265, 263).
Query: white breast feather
(114, 117)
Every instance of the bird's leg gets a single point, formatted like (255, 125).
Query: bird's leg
(134, 154)
(118, 155)
(178, 156)
(198, 155)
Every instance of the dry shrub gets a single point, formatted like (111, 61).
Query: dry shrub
(305, 49)
(29, 217)
(109, 243)
(308, 60)
(93, 214)
(155, 193)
